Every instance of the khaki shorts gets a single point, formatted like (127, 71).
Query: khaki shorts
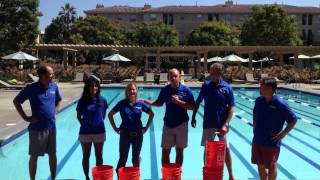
(41, 142)
(210, 134)
(92, 138)
(177, 136)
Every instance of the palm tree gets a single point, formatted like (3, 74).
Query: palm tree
(68, 15)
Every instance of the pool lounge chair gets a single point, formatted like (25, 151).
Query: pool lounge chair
(6, 85)
(33, 77)
(263, 75)
(250, 79)
(149, 77)
(79, 77)
(279, 80)
(163, 77)
(138, 79)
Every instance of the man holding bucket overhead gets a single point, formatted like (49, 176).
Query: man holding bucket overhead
(269, 114)
(178, 99)
(218, 110)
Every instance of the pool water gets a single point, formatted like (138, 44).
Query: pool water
(299, 157)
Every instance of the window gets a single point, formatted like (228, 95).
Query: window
(181, 18)
(210, 18)
(199, 16)
(133, 18)
(310, 19)
(165, 18)
(171, 19)
(227, 17)
(310, 36)
(119, 18)
(304, 19)
(217, 17)
(181, 33)
(303, 34)
(152, 17)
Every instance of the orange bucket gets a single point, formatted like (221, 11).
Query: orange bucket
(129, 173)
(210, 173)
(102, 172)
(171, 171)
(215, 152)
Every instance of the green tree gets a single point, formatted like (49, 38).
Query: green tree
(153, 34)
(59, 31)
(18, 24)
(269, 25)
(99, 30)
(215, 33)
(68, 15)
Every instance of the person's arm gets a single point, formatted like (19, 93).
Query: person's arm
(111, 119)
(225, 126)
(151, 115)
(283, 133)
(20, 110)
(195, 110)
(149, 102)
(58, 100)
(79, 116)
(175, 99)
(58, 106)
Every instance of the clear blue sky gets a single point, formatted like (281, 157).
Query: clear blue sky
(50, 8)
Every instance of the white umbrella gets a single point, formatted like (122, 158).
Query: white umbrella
(116, 58)
(233, 58)
(20, 56)
(315, 57)
(213, 59)
(301, 56)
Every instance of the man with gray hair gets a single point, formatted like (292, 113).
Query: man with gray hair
(218, 110)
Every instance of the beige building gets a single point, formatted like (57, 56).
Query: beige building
(185, 18)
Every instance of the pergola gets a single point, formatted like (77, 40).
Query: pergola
(185, 51)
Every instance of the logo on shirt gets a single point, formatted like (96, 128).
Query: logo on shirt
(273, 107)
(52, 92)
(138, 108)
(223, 91)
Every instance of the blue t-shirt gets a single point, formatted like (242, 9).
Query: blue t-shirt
(218, 99)
(93, 113)
(175, 115)
(270, 118)
(43, 103)
(131, 114)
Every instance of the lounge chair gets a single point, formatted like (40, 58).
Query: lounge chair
(250, 79)
(278, 80)
(163, 77)
(138, 79)
(264, 75)
(33, 78)
(6, 85)
(149, 77)
(107, 79)
(79, 77)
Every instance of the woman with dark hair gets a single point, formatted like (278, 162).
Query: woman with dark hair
(131, 129)
(91, 110)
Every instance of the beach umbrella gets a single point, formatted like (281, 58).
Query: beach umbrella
(20, 56)
(301, 56)
(213, 59)
(233, 58)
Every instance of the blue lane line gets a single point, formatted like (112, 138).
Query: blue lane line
(314, 164)
(253, 172)
(303, 112)
(304, 120)
(75, 145)
(153, 153)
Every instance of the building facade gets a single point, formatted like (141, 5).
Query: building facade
(185, 18)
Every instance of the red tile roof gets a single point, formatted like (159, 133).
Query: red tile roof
(198, 9)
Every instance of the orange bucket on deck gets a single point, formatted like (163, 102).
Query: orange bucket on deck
(210, 173)
(171, 171)
(129, 173)
(102, 172)
(215, 152)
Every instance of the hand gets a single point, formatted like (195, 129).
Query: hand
(144, 129)
(224, 130)
(117, 130)
(175, 99)
(31, 119)
(278, 137)
(193, 122)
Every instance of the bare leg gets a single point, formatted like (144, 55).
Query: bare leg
(98, 151)
(86, 150)
(262, 172)
(229, 164)
(272, 173)
(33, 167)
(53, 165)
(165, 156)
(179, 156)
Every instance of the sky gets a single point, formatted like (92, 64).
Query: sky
(50, 8)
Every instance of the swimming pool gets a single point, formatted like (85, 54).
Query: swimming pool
(299, 159)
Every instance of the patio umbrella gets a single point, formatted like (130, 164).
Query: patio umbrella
(213, 59)
(116, 58)
(20, 56)
(301, 56)
(233, 58)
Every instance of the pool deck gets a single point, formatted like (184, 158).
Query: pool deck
(11, 123)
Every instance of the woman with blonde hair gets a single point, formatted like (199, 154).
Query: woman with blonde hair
(131, 129)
